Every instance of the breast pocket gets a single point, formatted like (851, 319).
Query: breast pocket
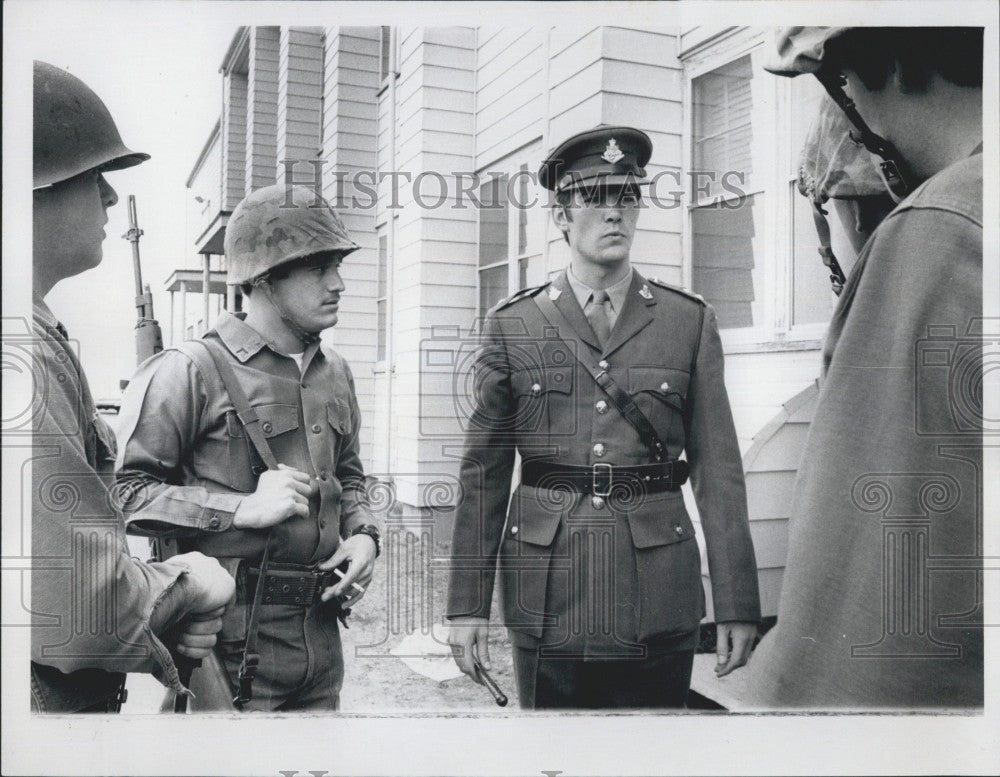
(661, 393)
(245, 463)
(542, 397)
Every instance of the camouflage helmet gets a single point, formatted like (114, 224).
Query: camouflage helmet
(832, 164)
(73, 129)
(277, 225)
(802, 49)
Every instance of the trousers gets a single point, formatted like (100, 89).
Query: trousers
(658, 681)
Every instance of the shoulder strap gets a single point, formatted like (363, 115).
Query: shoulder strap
(251, 422)
(247, 415)
(619, 398)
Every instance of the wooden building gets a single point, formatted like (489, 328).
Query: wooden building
(405, 128)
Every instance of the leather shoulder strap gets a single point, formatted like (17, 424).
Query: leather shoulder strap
(622, 400)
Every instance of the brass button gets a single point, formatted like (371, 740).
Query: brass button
(317, 428)
(213, 522)
(601, 407)
(597, 502)
(603, 364)
(513, 530)
(266, 426)
(664, 386)
(536, 389)
(599, 449)
(679, 529)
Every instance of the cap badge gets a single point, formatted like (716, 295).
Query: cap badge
(612, 153)
(645, 293)
(554, 293)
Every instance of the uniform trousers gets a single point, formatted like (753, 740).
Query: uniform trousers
(658, 681)
(301, 659)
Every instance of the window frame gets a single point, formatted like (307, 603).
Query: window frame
(775, 330)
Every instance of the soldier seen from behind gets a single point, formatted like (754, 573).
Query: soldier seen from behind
(882, 598)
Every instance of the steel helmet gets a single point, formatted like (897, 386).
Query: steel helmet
(832, 164)
(73, 129)
(279, 224)
(802, 49)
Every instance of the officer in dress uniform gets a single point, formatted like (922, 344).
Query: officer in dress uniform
(602, 380)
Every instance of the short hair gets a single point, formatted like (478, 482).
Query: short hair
(874, 53)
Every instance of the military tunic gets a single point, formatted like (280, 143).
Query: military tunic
(186, 463)
(588, 577)
(80, 654)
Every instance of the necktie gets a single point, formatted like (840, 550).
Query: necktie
(597, 315)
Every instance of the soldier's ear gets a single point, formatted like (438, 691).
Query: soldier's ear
(561, 217)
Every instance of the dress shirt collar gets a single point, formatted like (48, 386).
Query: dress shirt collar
(616, 293)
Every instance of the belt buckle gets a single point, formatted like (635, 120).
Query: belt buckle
(598, 491)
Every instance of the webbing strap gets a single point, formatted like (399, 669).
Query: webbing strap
(251, 422)
(837, 277)
(620, 399)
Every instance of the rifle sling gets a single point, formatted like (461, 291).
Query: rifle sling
(251, 423)
(622, 400)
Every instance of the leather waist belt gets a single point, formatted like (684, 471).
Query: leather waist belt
(294, 584)
(601, 479)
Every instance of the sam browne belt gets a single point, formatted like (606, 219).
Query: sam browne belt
(601, 479)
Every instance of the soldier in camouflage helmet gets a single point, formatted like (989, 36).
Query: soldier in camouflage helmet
(187, 453)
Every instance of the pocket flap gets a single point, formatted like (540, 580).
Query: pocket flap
(531, 521)
(652, 528)
(338, 414)
(667, 383)
(274, 420)
(535, 381)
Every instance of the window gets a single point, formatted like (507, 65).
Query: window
(493, 245)
(728, 203)
(381, 295)
(752, 242)
(511, 226)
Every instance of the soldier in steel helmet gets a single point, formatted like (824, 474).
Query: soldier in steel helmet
(192, 470)
(882, 598)
(80, 654)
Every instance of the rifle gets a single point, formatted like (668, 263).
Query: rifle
(148, 342)
(148, 337)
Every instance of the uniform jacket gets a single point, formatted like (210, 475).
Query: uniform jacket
(601, 579)
(185, 462)
(881, 604)
(80, 555)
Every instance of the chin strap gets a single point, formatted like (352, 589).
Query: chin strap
(892, 165)
(307, 338)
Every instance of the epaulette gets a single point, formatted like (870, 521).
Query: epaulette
(518, 295)
(677, 290)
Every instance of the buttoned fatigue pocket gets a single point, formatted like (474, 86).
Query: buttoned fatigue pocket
(668, 566)
(526, 556)
(543, 401)
(245, 464)
(661, 394)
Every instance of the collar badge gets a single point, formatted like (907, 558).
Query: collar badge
(554, 293)
(645, 293)
(612, 153)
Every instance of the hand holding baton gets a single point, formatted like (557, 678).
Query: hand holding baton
(489, 682)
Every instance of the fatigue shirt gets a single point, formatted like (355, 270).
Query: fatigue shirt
(882, 601)
(186, 463)
(643, 578)
(79, 548)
